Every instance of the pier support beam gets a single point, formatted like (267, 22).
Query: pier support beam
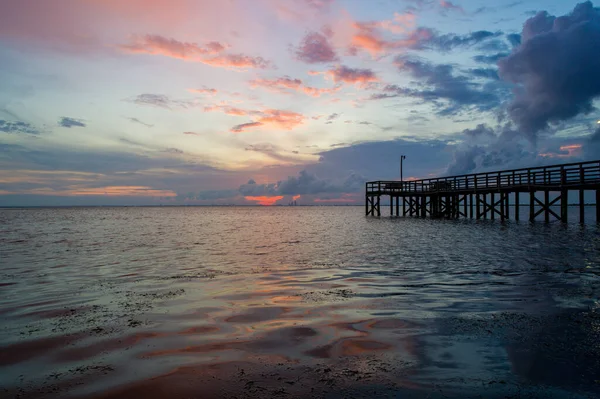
(517, 206)
(546, 206)
(564, 205)
(532, 206)
(471, 206)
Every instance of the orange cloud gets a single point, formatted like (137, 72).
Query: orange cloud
(285, 83)
(227, 110)
(296, 197)
(370, 38)
(264, 200)
(159, 45)
(281, 119)
(566, 151)
(210, 53)
(204, 90)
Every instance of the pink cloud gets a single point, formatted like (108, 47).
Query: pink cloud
(280, 119)
(369, 36)
(204, 90)
(358, 76)
(283, 119)
(285, 84)
(318, 4)
(226, 109)
(210, 53)
(159, 45)
(448, 5)
(239, 61)
(315, 48)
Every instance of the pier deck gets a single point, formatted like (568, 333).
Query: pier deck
(488, 195)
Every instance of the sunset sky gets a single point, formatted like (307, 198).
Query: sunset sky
(264, 101)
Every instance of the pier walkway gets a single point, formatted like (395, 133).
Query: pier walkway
(487, 195)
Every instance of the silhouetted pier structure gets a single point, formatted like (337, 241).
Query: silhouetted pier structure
(486, 195)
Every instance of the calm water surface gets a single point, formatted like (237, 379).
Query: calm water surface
(294, 302)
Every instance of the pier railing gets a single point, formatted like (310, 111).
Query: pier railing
(565, 175)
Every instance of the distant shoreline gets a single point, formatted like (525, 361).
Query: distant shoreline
(219, 206)
(174, 206)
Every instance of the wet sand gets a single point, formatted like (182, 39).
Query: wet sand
(302, 314)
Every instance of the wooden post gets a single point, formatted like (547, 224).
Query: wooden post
(454, 206)
(507, 204)
(411, 206)
(403, 205)
(531, 206)
(502, 206)
(581, 206)
(564, 205)
(397, 206)
(483, 204)
(471, 205)
(517, 207)
(546, 203)
(564, 196)
(493, 207)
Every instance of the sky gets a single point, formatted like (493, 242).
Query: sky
(200, 102)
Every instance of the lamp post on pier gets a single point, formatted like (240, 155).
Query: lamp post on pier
(402, 157)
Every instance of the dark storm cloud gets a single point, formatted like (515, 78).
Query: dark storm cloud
(514, 39)
(555, 68)
(450, 41)
(253, 189)
(486, 73)
(305, 183)
(489, 59)
(591, 147)
(486, 148)
(444, 87)
(381, 159)
(480, 130)
(70, 122)
(17, 127)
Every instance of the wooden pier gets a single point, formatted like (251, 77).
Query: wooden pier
(487, 195)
